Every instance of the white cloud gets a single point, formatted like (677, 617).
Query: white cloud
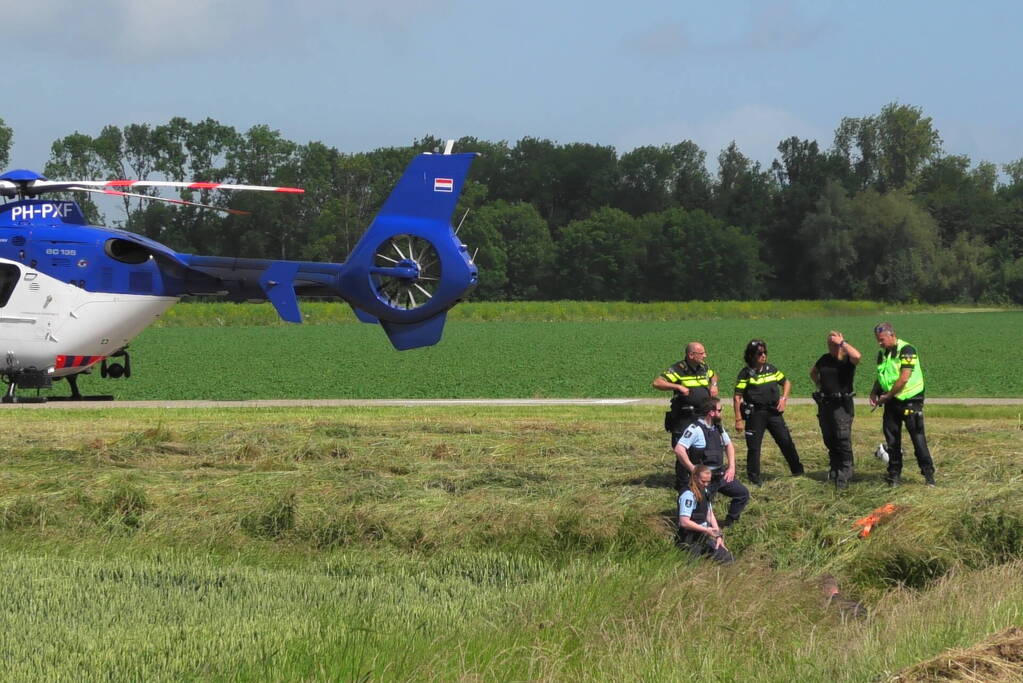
(140, 30)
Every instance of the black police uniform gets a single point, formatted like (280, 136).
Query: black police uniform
(760, 393)
(835, 411)
(697, 379)
(712, 454)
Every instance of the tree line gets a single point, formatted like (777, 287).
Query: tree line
(883, 213)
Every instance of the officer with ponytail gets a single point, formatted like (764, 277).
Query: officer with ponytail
(698, 530)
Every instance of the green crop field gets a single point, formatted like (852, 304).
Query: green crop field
(598, 350)
(477, 543)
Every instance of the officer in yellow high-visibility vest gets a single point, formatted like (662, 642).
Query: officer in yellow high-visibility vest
(900, 388)
(691, 382)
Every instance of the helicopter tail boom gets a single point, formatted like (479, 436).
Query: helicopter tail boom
(405, 272)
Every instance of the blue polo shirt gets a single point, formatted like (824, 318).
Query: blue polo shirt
(693, 436)
(687, 503)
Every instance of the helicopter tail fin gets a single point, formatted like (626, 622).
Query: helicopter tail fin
(429, 188)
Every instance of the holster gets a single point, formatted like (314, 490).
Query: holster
(675, 418)
(745, 409)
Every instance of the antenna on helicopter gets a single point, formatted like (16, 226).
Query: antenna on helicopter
(464, 216)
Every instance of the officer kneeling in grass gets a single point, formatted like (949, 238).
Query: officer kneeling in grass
(706, 443)
(698, 530)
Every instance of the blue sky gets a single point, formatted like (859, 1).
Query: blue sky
(358, 75)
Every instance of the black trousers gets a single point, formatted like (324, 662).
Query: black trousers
(698, 545)
(910, 413)
(768, 419)
(835, 417)
(734, 489)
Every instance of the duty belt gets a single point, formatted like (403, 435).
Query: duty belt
(834, 397)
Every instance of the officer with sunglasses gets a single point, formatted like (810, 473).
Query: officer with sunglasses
(761, 394)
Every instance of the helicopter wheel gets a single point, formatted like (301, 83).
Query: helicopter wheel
(416, 254)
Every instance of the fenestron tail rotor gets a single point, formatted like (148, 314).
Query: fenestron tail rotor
(406, 272)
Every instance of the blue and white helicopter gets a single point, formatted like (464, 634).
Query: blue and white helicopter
(73, 295)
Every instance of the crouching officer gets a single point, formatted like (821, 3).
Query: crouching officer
(833, 375)
(900, 388)
(698, 530)
(691, 382)
(706, 443)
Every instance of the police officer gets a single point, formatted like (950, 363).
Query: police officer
(833, 375)
(705, 442)
(691, 381)
(900, 389)
(698, 530)
(761, 394)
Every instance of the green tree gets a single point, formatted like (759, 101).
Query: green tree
(962, 200)
(646, 175)
(888, 150)
(831, 261)
(801, 175)
(879, 246)
(527, 243)
(74, 157)
(653, 179)
(601, 257)
(693, 255)
(6, 139)
(742, 195)
(564, 183)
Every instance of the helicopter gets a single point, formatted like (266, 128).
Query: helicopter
(73, 295)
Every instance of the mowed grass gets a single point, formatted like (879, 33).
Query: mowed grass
(962, 356)
(479, 543)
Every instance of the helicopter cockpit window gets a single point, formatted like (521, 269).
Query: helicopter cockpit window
(9, 276)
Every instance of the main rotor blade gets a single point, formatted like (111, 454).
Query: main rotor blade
(118, 193)
(40, 186)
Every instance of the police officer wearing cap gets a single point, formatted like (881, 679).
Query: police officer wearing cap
(705, 442)
(833, 375)
(690, 381)
(900, 389)
(761, 394)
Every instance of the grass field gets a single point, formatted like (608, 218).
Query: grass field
(479, 543)
(617, 353)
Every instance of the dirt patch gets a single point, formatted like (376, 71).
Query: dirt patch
(995, 659)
